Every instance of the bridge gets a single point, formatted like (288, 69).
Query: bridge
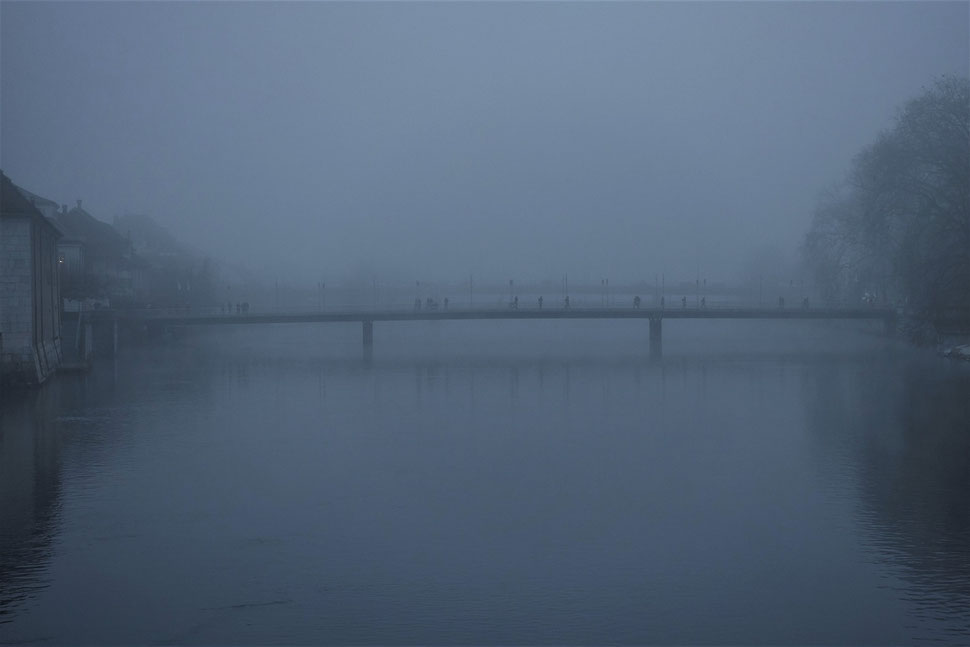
(367, 317)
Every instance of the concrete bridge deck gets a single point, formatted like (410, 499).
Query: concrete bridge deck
(188, 318)
(367, 316)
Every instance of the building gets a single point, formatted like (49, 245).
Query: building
(46, 206)
(98, 264)
(30, 292)
(70, 250)
(178, 274)
(70, 253)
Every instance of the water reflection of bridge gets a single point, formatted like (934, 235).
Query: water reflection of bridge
(367, 317)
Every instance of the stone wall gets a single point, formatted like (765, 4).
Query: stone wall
(47, 307)
(29, 295)
(16, 298)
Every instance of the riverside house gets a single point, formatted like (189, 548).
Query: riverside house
(30, 343)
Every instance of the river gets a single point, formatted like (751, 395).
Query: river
(492, 482)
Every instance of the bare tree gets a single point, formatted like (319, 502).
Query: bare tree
(899, 227)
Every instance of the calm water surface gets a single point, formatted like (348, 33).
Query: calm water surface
(516, 482)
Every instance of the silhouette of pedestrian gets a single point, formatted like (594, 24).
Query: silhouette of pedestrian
(446, 303)
(636, 302)
(683, 302)
(565, 303)
(515, 303)
(703, 302)
(540, 303)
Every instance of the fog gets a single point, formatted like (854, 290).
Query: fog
(484, 323)
(429, 140)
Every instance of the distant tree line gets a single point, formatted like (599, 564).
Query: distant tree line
(897, 231)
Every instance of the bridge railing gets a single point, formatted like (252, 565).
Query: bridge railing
(578, 305)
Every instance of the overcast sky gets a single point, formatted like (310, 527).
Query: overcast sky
(423, 140)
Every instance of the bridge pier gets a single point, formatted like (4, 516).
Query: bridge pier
(656, 337)
(368, 334)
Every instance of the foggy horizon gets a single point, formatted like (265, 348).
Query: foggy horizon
(428, 141)
(485, 323)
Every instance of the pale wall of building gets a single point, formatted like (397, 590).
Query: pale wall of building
(29, 294)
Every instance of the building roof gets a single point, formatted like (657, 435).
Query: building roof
(60, 230)
(14, 203)
(149, 238)
(72, 231)
(37, 200)
(100, 239)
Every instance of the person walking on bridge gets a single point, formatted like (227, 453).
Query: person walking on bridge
(636, 302)
(540, 302)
